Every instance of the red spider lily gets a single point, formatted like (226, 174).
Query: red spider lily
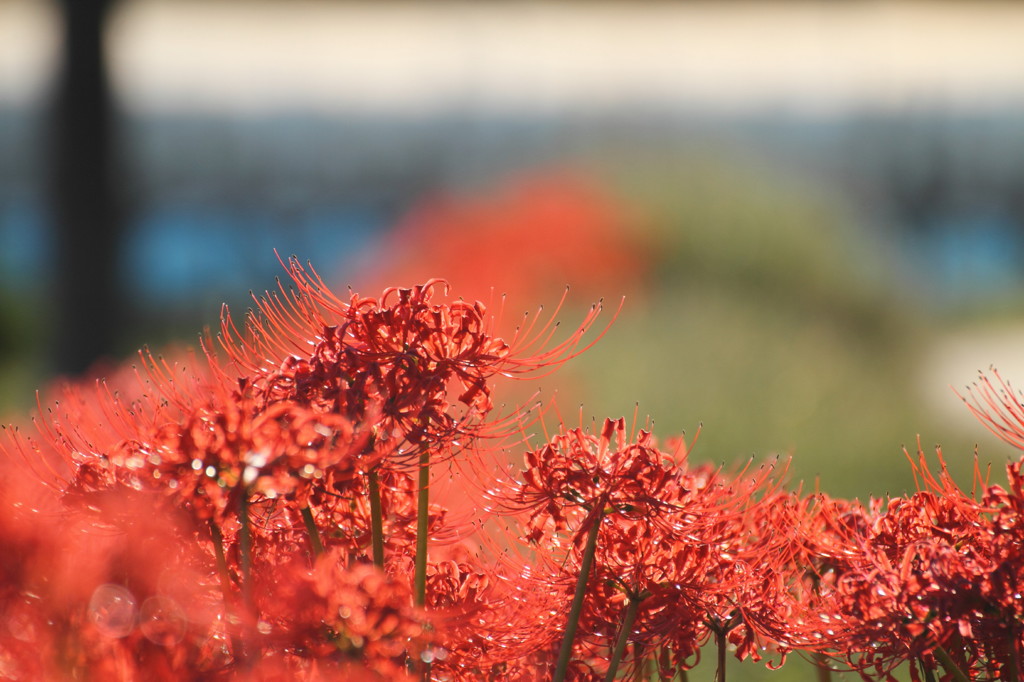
(906, 583)
(998, 406)
(737, 563)
(675, 537)
(1003, 587)
(576, 476)
(400, 358)
(230, 448)
(398, 365)
(829, 535)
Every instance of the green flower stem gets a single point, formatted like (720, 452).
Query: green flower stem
(1013, 660)
(929, 674)
(949, 664)
(620, 646)
(249, 616)
(376, 520)
(720, 643)
(651, 667)
(821, 663)
(312, 531)
(222, 562)
(565, 653)
(225, 586)
(245, 554)
(422, 526)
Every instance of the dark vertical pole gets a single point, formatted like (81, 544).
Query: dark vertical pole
(83, 193)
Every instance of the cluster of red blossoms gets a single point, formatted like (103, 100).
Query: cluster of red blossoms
(329, 494)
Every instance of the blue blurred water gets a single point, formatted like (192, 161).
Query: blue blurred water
(189, 252)
(175, 253)
(964, 258)
(24, 245)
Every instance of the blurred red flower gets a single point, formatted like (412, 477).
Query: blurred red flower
(531, 236)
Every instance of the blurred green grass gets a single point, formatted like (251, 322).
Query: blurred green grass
(777, 323)
(22, 356)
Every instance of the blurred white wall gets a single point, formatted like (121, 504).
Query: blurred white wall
(231, 55)
(28, 49)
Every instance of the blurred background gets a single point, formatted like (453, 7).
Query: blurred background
(814, 209)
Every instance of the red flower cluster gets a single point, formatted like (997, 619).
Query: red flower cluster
(280, 511)
(255, 513)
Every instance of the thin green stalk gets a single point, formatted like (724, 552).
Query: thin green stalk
(565, 653)
(312, 531)
(225, 586)
(422, 526)
(222, 562)
(720, 643)
(651, 664)
(1013, 662)
(245, 554)
(245, 569)
(821, 663)
(620, 646)
(949, 664)
(929, 674)
(376, 520)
